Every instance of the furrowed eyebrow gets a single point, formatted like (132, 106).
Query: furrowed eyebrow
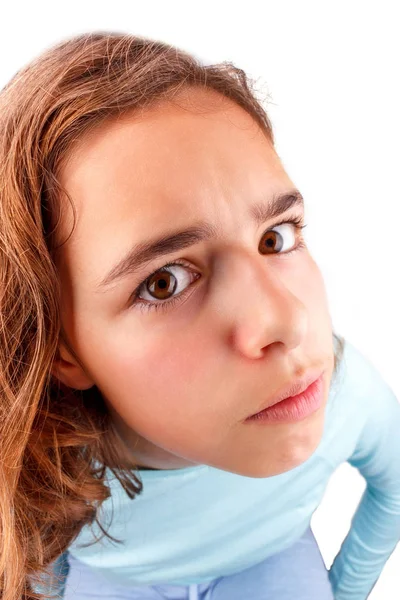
(145, 252)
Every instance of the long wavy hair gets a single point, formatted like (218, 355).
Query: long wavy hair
(56, 442)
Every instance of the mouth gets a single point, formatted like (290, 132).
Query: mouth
(292, 390)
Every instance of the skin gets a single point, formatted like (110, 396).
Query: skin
(180, 382)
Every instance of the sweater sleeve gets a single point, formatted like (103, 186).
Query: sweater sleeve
(375, 526)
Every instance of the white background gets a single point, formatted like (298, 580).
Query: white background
(331, 70)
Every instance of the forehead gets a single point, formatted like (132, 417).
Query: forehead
(196, 157)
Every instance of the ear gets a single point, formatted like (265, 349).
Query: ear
(68, 370)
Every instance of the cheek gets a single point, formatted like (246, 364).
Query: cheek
(314, 297)
(309, 287)
(157, 383)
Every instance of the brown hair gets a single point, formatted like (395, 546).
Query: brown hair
(57, 442)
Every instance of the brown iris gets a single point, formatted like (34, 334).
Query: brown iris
(160, 283)
(273, 242)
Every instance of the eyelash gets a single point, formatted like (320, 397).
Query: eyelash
(298, 224)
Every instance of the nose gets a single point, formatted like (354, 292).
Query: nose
(261, 308)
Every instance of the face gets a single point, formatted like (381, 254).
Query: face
(184, 354)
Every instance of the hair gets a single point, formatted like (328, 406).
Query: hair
(56, 442)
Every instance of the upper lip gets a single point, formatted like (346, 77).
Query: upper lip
(294, 388)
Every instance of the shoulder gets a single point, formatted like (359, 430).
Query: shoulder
(362, 406)
(360, 383)
(367, 382)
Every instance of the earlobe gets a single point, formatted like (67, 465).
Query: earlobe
(67, 369)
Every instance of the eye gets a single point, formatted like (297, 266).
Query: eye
(279, 239)
(172, 278)
(176, 277)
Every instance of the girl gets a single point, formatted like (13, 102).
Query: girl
(173, 397)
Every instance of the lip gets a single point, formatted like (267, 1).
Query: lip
(293, 389)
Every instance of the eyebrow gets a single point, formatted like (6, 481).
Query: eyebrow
(144, 252)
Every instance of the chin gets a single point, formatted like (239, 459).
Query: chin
(296, 450)
(300, 450)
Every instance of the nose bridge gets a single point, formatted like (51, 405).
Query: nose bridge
(263, 307)
(250, 276)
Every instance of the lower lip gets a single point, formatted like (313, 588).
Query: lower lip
(294, 408)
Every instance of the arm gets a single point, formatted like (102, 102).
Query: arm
(375, 527)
